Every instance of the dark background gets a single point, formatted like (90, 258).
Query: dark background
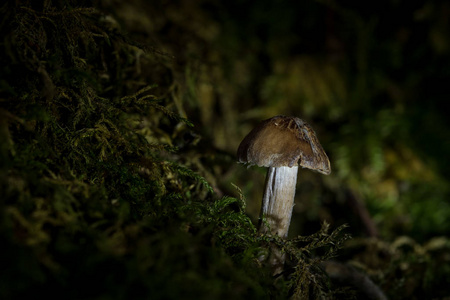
(371, 79)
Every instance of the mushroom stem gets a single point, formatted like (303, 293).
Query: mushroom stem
(278, 200)
(276, 210)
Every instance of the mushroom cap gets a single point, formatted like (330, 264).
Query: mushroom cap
(284, 141)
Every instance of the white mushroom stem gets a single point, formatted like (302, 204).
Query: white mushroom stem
(278, 200)
(276, 210)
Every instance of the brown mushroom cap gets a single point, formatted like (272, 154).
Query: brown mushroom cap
(284, 141)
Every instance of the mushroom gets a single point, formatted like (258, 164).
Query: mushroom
(282, 144)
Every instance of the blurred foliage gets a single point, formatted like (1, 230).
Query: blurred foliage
(370, 78)
(119, 123)
(404, 269)
(371, 81)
